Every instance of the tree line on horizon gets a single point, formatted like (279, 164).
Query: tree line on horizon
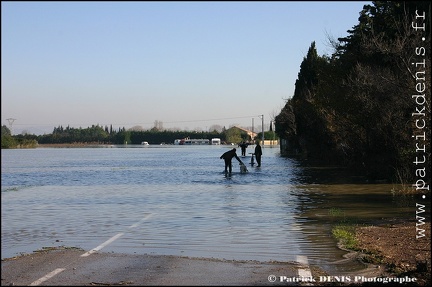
(355, 107)
(97, 134)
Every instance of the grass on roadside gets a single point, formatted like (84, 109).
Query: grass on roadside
(345, 234)
(344, 230)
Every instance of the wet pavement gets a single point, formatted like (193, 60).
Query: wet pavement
(73, 268)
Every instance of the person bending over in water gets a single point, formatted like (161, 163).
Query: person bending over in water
(228, 156)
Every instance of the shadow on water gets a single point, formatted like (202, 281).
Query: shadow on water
(337, 196)
(310, 173)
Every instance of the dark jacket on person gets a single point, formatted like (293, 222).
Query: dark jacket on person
(258, 154)
(228, 156)
(258, 150)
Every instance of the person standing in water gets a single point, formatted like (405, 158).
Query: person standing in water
(243, 147)
(258, 153)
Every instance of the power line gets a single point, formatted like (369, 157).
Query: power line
(144, 123)
(220, 119)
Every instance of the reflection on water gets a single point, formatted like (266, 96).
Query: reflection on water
(176, 200)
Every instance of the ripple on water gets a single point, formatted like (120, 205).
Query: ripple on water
(83, 197)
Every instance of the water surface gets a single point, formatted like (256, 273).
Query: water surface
(176, 200)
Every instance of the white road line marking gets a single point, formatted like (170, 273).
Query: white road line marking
(58, 270)
(139, 222)
(304, 272)
(103, 245)
(48, 276)
(115, 237)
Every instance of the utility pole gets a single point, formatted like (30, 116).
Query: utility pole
(262, 127)
(10, 121)
(273, 130)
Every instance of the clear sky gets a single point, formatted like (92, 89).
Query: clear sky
(190, 65)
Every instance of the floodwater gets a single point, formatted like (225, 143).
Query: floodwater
(176, 200)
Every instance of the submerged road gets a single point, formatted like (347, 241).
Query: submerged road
(75, 267)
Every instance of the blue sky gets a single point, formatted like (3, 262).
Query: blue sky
(190, 65)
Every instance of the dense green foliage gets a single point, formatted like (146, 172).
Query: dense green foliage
(100, 135)
(355, 107)
(9, 141)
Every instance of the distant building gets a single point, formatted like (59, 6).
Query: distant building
(216, 141)
(188, 141)
(197, 142)
(251, 134)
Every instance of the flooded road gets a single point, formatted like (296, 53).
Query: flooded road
(180, 202)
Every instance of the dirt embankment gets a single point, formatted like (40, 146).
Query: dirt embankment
(403, 248)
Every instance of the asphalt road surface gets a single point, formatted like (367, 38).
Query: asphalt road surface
(74, 267)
